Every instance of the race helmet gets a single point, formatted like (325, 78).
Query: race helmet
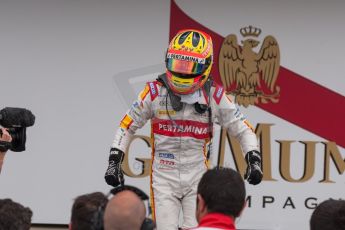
(189, 61)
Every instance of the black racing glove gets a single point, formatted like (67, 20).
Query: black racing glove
(253, 172)
(114, 175)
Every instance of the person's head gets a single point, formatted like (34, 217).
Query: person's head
(220, 190)
(14, 216)
(87, 212)
(188, 61)
(329, 215)
(125, 210)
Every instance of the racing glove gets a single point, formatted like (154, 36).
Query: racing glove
(253, 173)
(114, 175)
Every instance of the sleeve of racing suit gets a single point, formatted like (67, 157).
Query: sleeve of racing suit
(230, 117)
(135, 118)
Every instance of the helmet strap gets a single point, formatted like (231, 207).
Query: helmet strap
(174, 99)
(201, 108)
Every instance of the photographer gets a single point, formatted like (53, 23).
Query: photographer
(14, 122)
(6, 137)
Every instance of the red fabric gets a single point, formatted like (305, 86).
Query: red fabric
(301, 102)
(218, 93)
(153, 90)
(217, 221)
(180, 128)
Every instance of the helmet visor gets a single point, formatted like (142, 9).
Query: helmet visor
(185, 64)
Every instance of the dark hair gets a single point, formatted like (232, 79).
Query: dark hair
(14, 216)
(223, 191)
(329, 215)
(87, 211)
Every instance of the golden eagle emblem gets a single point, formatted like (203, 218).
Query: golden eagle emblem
(250, 76)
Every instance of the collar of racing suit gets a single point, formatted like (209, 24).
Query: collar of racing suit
(197, 97)
(204, 92)
(217, 221)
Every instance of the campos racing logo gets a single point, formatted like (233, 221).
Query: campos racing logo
(153, 90)
(217, 96)
(219, 92)
(251, 77)
(152, 87)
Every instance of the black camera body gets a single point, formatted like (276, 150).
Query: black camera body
(15, 120)
(18, 138)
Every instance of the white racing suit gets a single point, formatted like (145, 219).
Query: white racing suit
(179, 147)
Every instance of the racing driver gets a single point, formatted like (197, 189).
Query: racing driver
(182, 104)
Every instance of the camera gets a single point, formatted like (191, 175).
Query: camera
(16, 120)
